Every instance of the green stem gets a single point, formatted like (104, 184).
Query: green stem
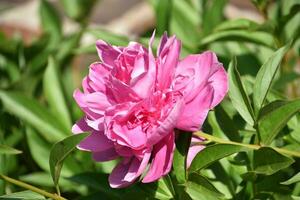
(32, 188)
(250, 146)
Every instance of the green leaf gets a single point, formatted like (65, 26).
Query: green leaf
(257, 37)
(8, 150)
(54, 93)
(42, 179)
(162, 189)
(265, 77)
(213, 15)
(40, 152)
(180, 156)
(211, 154)
(97, 181)
(24, 195)
(67, 47)
(294, 179)
(31, 112)
(60, 151)
(185, 23)
(109, 37)
(50, 21)
(199, 188)
(268, 161)
(238, 95)
(162, 13)
(236, 24)
(274, 116)
(78, 10)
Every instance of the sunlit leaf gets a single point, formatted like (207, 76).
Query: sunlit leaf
(199, 188)
(24, 195)
(112, 38)
(4, 149)
(257, 37)
(60, 151)
(31, 112)
(50, 21)
(78, 10)
(294, 179)
(274, 117)
(265, 77)
(268, 161)
(212, 154)
(162, 189)
(238, 95)
(54, 93)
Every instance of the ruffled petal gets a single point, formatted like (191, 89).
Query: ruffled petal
(167, 125)
(194, 113)
(105, 155)
(95, 142)
(193, 73)
(162, 159)
(219, 81)
(107, 53)
(81, 126)
(127, 171)
(167, 62)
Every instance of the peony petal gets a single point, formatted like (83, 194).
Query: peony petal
(105, 155)
(194, 150)
(95, 142)
(81, 126)
(107, 53)
(193, 73)
(167, 62)
(98, 75)
(167, 125)
(121, 92)
(134, 138)
(219, 82)
(195, 112)
(143, 84)
(137, 167)
(162, 43)
(162, 159)
(127, 171)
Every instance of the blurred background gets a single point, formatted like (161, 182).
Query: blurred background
(46, 47)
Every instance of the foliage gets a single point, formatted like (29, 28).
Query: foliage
(253, 144)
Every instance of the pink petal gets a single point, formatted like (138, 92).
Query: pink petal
(121, 92)
(96, 80)
(193, 150)
(193, 73)
(167, 125)
(144, 83)
(162, 43)
(219, 82)
(107, 53)
(105, 155)
(127, 171)
(134, 138)
(167, 62)
(94, 106)
(95, 142)
(81, 126)
(162, 159)
(195, 112)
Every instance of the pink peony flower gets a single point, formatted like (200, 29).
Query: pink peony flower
(133, 101)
